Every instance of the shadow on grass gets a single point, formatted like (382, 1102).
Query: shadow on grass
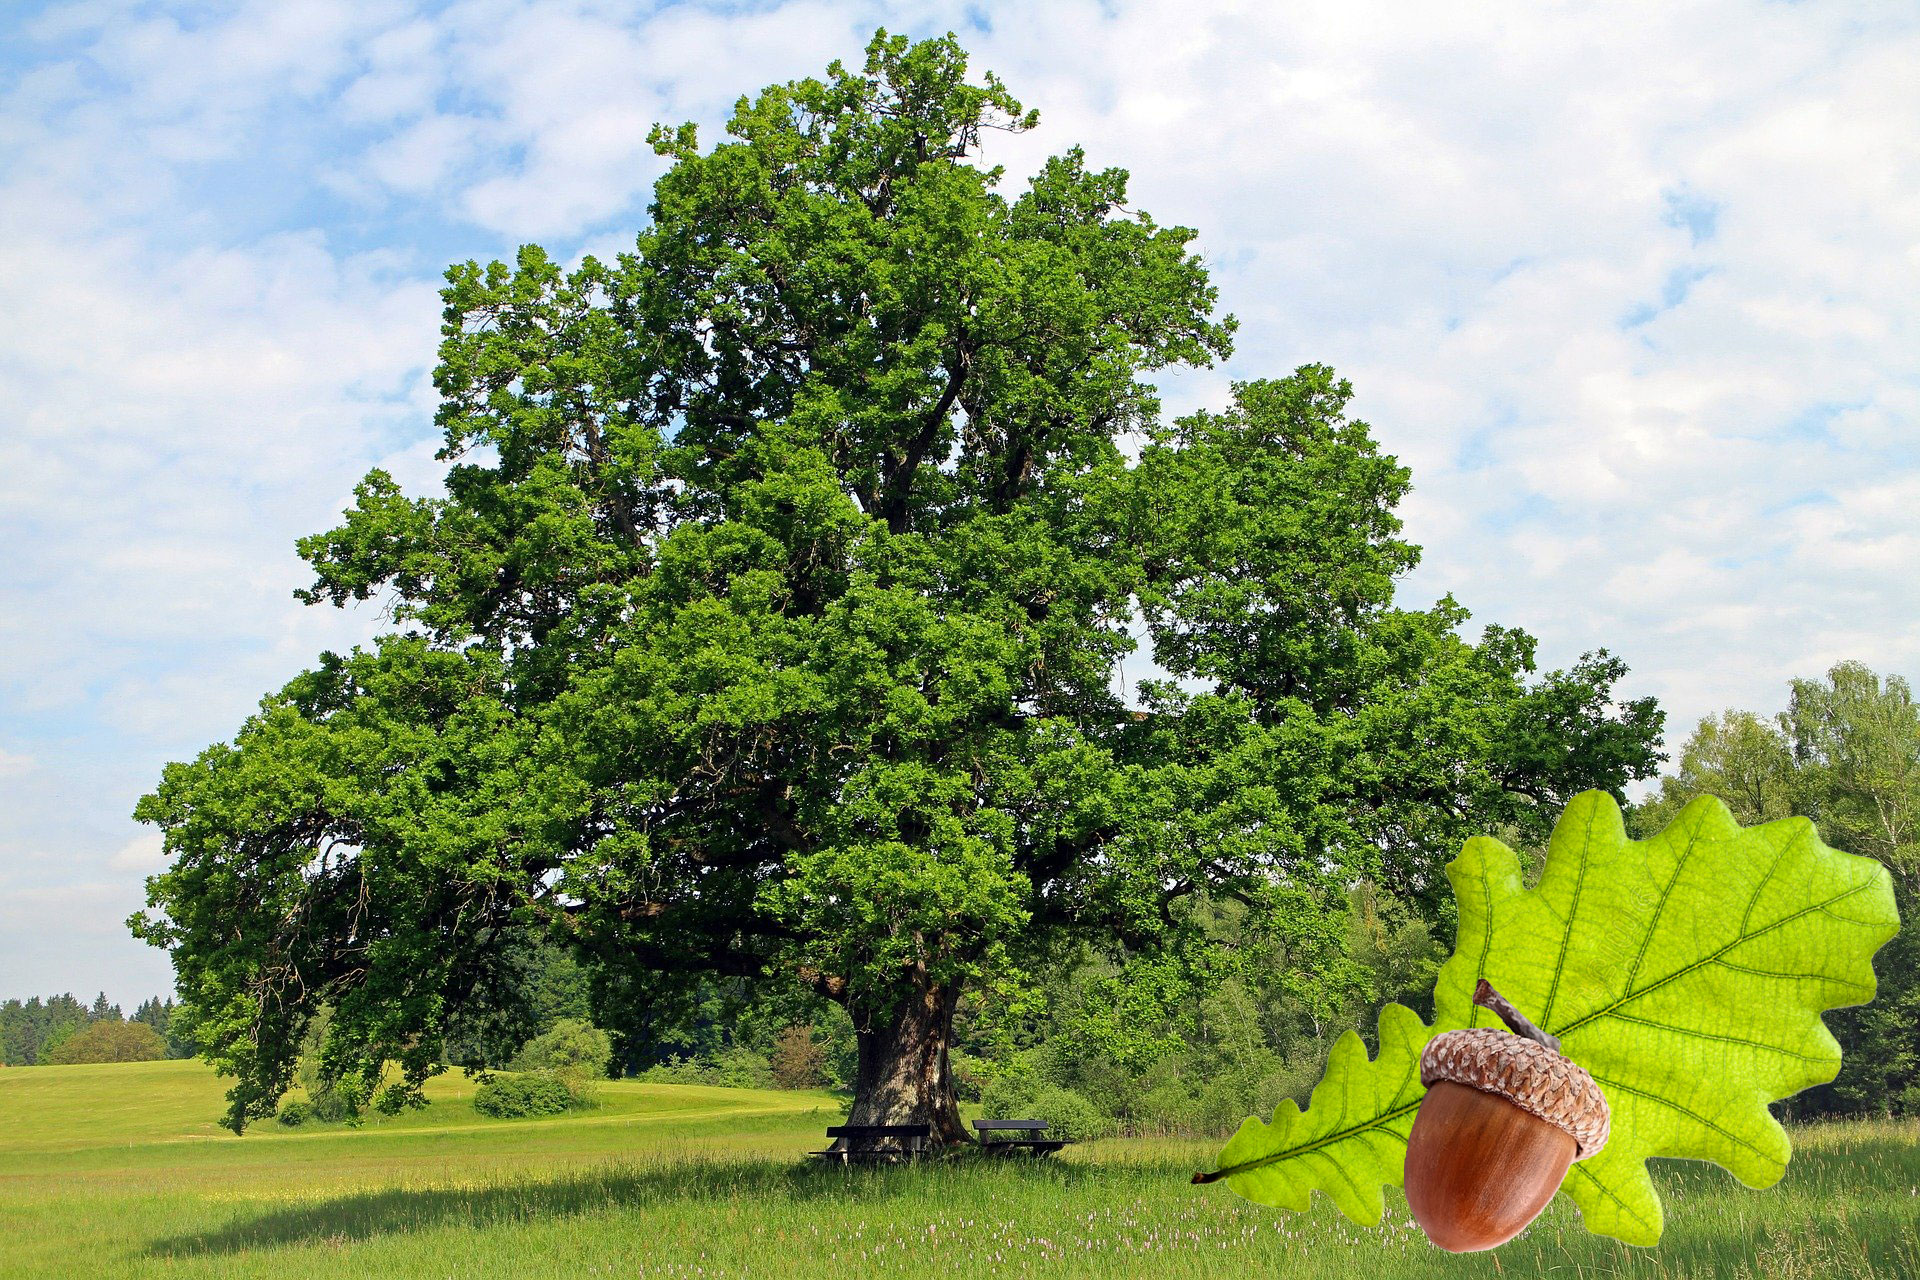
(1845, 1210)
(615, 1188)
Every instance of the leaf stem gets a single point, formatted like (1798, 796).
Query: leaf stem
(1487, 998)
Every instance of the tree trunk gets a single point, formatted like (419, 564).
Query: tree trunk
(903, 1076)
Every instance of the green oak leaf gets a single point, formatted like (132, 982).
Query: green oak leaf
(1687, 972)
(1352, 1138)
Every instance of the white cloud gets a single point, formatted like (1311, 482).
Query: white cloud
(144, 853)
(424, 155)
(11, 763)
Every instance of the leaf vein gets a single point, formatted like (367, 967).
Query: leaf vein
(1804, 977)
(1709, 1035)
(1767, 879)
(1573, 910)
(1607, 1010)
(1653, 925)
(1307, 1148)
(1689, 1112)
(1612, 1195)
(1486, 938)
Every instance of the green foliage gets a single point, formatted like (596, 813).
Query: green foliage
(1010, 1090)
(834, 1031)
(339, 1101)
(63, 1022)
(737, 1067)
(158, 1014)
(798, 1061)
(32, 1031)
(569, 1046)
(513, 1097)
(110, 1041)
(1856, 753)
(702, 1019)
(532, 984)
(768, 623)
(1395, 951)
(969, 1075)
(333, 1098)
(1068, 1115)
(33, 1027)
(1739, 757)
(294, 1112)
(1687, 972)
(1250, 1038)
(1856, 745)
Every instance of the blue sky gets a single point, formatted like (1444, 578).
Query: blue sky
(1631, 289)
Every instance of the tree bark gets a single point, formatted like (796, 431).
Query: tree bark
(903, 1076)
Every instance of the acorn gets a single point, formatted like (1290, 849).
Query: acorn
(1504, 1117)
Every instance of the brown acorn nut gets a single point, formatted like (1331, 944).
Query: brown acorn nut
(1504, 1117)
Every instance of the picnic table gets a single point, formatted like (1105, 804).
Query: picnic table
(876, 1141)
(1033, 1145)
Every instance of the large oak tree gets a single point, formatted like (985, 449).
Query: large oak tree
(769, 627)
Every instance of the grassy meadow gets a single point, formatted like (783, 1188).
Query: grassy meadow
(120, 1170)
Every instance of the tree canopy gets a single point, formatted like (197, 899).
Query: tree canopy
(770, 621)
(110, 1040)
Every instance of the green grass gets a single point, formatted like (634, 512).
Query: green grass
(119, 1170)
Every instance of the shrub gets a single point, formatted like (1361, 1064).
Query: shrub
(340, 1101)
(1009, 1091)
(569, 1045)
(969, 1080)
(1017, 1092)
(108, 1041)
(337, 1101)
(1068, 1115)
(734, 1068)
(799, 1061)
(534, 1094)
(677, 1070)
(739, 1067)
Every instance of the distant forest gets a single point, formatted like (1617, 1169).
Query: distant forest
(60, 1029)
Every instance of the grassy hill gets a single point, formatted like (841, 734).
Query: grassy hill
(120, 1170)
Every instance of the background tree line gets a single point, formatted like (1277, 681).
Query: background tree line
(60, 1029)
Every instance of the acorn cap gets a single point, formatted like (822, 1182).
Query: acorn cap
(1529, 1075)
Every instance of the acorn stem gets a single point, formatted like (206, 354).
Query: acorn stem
(1487, 998)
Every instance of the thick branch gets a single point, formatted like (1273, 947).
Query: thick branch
(899, 482)
(830, 985)
(719, 958)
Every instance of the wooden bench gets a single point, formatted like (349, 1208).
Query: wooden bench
(1035, 1145)
(877, 1141)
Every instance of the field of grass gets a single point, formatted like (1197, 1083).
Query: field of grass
(109, 1171)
